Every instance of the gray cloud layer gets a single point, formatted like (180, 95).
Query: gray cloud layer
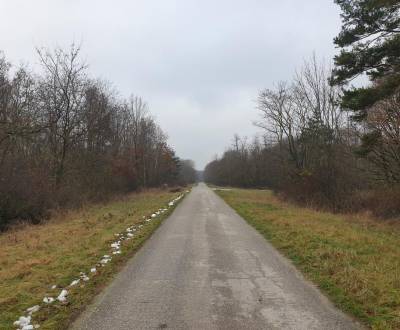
(199, 64)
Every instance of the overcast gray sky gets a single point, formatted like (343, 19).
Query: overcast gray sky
(198, 63)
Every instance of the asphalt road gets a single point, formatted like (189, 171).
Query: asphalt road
(206, 268)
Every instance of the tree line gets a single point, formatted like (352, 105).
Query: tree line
(66, 137)
(326, 142)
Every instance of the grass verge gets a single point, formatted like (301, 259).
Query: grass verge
(34, 258)
(353, 259)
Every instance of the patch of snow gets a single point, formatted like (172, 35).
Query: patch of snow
(23, 321)
(106, 258)
(27, 327)
(33, 309)
(74, 282)
(48, 300)
(63, 296)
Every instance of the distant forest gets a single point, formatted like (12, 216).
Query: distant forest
(327, 143)
(67, 138)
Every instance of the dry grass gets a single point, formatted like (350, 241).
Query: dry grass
(33, 258)
(354, 260)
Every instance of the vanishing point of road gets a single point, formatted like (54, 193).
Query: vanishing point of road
(206, 268)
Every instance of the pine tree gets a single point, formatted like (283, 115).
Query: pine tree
(370, 42)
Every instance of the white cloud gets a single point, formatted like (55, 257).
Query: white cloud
(199, 64)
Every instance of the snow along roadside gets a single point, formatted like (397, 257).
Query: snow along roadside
(26, 322)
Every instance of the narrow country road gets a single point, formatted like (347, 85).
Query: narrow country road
(206, 268)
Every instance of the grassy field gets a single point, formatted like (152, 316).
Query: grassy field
(34, 258)
(354, 260)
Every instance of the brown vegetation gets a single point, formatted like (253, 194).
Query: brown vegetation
(354, 259)
(66, 138)
(313, 153)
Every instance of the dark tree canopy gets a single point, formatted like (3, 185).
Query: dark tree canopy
(370, 42)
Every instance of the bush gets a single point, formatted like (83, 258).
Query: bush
(381, 202)
(26, 196)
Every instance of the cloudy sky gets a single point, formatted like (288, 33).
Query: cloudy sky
(198, 63)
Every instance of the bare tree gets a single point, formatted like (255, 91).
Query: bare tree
(66, 138)
(62, 94)
(381, 141)
(306, 151)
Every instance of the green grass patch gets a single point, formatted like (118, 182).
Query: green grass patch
(355, 260)
(33, 258)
